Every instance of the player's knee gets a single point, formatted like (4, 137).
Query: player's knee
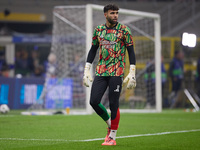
(93, 103)
(114, 106)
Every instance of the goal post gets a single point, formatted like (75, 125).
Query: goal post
(89, 33)
(158, 65)
(71, 40)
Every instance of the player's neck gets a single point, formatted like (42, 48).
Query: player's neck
(109, 25)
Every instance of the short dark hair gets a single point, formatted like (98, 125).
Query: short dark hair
(110, 7)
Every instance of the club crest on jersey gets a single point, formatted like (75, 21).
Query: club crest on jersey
(101, 36)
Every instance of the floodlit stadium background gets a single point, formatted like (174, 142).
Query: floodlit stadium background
(27, 26)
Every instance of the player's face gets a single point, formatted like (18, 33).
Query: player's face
(112, 16)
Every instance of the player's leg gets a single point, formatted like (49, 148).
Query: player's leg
(99, 87)
(115, 85)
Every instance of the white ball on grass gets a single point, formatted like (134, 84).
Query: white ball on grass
(4, 109)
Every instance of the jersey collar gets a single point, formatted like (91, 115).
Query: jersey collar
(111, 27)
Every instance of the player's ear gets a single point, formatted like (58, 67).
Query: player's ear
(105, 14)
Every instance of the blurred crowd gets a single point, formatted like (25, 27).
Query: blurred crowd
(176, 76)
(27, 64)
(4, 68)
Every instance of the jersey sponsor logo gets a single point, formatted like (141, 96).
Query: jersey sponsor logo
(108, 44)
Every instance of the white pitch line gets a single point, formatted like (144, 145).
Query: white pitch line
(97, 139)
(19, 139)
(140, 135)
(6, 115)
(162, 133)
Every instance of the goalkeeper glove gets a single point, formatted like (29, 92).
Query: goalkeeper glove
(131, 78)
(87, 74)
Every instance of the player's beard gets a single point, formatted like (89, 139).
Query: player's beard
(112, 21)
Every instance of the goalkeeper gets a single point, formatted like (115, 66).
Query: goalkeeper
(113, 38)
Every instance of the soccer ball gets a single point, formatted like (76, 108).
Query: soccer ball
(4, 109)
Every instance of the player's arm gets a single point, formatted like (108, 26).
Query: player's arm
(129, 45)
(131, 55)
(131, 76)
(92, 53)
(90, 58)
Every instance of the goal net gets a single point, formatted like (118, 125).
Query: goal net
(72, 35)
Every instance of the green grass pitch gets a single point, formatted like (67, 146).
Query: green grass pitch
(169, 130)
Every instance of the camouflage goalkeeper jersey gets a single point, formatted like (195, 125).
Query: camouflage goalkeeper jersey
(112, 43)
